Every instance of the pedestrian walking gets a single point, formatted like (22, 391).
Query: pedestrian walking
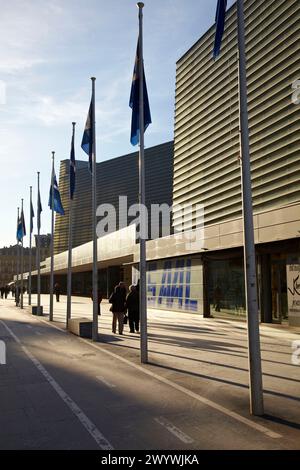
(217, 298)
(118, 309)
(100, 297)
(133, 308)
(6, 291)
(17, 296)
(57, 291)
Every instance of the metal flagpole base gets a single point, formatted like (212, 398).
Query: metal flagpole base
(37, 310)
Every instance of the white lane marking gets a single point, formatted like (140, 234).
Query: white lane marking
(174, 430)
(232, 414)
(205, 401)
(29, 326)
(102, 379)
(102, 442)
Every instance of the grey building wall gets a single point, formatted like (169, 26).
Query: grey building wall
(206, 165)
(115, 177)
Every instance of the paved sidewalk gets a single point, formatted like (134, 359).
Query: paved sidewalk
(197, 359)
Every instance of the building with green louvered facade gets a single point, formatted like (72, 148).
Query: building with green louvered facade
(206, 163)
(206, 155)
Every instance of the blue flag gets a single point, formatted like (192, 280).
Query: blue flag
(21, 229)
(39, 210)
(134, 103)
(220, 23)
(87, 139)
(57, 205)
(72, 168)
(31, 217)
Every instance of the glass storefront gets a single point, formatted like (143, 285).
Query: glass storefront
(226, 288)
(177, 284)
(174, 284)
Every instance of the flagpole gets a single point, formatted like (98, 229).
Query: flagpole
(52, 242)
(142, 265)
(254, 355)
(22, 255)
(94, 208)
(18, 262)
(30, 251)
(38, 252)
(69, 287)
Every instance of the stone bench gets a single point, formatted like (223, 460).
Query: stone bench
(81, 327)
(35, 310)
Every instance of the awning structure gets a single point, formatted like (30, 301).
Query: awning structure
(113, 249)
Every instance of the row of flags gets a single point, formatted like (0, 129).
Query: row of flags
(21, 227)
(88, 138)
(57, 204)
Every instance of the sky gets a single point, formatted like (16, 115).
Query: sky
(49, 49)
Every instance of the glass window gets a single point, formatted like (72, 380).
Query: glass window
(226, 287)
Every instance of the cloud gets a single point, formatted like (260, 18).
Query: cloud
(11, 65)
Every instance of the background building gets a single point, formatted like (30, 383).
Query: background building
(45, 243)
(9, 263)
(9, 258)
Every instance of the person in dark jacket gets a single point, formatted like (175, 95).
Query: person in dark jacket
(100, 297)
(57, 291)
(6, 292)
(133, 308)
(118, 309)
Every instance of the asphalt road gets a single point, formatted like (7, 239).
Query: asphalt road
(58, 391)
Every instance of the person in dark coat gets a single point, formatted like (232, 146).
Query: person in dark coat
(217, 297)
(118, 309)
(100, 297)
(7, 289)
(57, 291)
(133, 308)
(123, 288)
(17, 296)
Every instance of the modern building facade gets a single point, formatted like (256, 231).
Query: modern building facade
(115, 177)
(207, 165)
(209, 278)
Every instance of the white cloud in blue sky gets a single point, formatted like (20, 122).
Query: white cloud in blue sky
(48, 51)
